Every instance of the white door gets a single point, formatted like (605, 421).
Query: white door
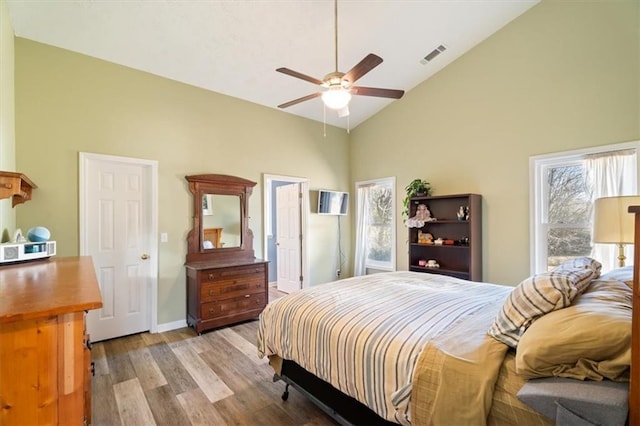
(288, 240)
(117, 222)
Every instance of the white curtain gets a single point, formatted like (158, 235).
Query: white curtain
(363, 220)
(608, 175)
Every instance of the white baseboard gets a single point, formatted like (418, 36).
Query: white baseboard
(168, 326)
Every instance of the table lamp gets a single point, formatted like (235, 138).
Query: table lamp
(612, 222)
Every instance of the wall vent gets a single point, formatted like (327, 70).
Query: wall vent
(433, 54)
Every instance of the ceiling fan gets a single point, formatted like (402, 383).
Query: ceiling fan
(339, 86)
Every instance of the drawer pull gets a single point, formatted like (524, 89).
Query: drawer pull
(211, 277)
(212, 293)
(247, 295)
(93, 369)
(212, 311)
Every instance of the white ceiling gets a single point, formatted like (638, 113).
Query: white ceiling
(234, 47)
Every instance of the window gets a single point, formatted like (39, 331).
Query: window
(564, 188)
(375, 226)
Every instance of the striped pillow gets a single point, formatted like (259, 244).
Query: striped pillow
(538, 295)
(580, 262)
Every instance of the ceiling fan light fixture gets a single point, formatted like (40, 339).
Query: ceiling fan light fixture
(336, 97)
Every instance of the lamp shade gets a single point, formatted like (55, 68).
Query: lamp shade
(612, 222)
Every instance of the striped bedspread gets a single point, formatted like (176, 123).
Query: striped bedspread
(364, 335)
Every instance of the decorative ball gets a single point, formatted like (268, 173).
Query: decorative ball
(38, 234)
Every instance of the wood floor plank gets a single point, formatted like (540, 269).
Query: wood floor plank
(249, 349)
(232, 366)
(248, 330)
(104, 409)
(120, 366)
(322, 420)
(132, 403)
(251, 400)
(200, 411)
(128, 389)
(99, 358)
(207, 380)
(152, 338)
(297, 406)
(199, 344)
(174, 372)
(303, 411)
(270, 415)
(166, 408)
(232, 412)
(145, 365)
(178, 334)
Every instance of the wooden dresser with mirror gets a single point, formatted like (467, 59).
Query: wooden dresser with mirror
(225, 282)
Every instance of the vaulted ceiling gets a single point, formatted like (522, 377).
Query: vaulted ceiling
(234, 47)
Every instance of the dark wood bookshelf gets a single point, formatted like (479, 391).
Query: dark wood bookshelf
(461, 259)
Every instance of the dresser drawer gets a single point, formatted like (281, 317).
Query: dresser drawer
(231, 288)
(232, 306)
(213, 275)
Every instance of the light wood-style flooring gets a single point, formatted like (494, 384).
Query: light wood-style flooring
(179, 378)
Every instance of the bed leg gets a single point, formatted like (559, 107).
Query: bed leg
(285, 394)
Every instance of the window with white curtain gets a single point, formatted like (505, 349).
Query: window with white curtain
(564, 187)
(375, 226)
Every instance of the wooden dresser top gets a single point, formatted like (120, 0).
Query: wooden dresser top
(49, 287)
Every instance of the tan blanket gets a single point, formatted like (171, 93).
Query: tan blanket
(465, 377)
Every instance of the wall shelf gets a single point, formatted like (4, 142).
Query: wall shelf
(17, 186)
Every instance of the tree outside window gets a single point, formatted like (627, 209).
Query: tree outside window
(564, 187)
(569, 214)
(375, 225)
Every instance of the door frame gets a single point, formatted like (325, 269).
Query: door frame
(267, 181)
(84, 158)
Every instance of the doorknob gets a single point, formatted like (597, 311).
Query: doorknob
(144, 256)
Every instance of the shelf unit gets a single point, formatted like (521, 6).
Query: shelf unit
(460, 260)
(17, 186)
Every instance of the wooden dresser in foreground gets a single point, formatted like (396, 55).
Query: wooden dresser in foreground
(45, 360)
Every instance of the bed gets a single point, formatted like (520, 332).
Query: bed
(421, 349)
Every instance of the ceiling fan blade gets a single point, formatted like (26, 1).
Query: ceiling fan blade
(297, 101)
(375, 91)
(364, 66)
(299, 75)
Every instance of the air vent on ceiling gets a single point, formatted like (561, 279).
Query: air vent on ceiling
(433, 54)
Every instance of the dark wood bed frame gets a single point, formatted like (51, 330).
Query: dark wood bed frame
(348, 411)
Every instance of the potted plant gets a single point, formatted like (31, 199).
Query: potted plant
(417, 188)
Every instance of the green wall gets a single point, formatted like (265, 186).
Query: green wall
(68, 103)
(562, 76)
(7, 123)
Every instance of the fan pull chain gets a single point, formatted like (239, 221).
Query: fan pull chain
(348, 125)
